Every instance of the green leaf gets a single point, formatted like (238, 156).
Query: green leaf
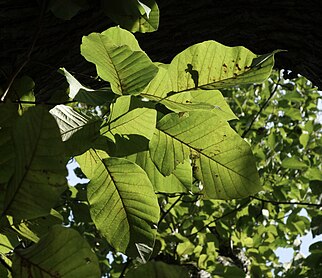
(82, 94)
(40, 166)
(158, 269)
(60, 253)
(313, 174)
(179, 181)
(77, 130)
(136, 16)
(123, 121)
(222, 160)
(8, 115)
(123, 205)
(293, 163)
(117, 61)
(211, 65)
(66, 9)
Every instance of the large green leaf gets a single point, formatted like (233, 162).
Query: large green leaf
(222, 160)
(179, 181)
(122, 202)
(40, 166)
(119, 60)
(77, 130)
(136, 16)
(8, 115)
(210, 65)
(124, 121)
(156, 269)
(62, 253)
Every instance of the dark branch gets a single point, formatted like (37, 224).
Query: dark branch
(261, 108)
(286, 202)
(170, 208)
(42, 102)
(28, 55)
(237, 208)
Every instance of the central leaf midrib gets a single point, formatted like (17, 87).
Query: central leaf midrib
(207, 156)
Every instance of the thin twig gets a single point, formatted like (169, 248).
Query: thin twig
(237, 208)
(286, 202)
(28, 55)
(262, 108)
(170, 208)
(129, 261)
(43, 102)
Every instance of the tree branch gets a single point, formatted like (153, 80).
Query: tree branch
(170, 208)
(237, 208)
(287, 203)
(28, 55)
(261, 108)
(44, 103)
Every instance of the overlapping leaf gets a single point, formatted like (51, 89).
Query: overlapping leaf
(86, 95)
(179, 181)
(119, 60)
(78, 131)
(123, 120)
(222, 160)
(39, 171)
(136, 16)
(123, 205)
(61, 253)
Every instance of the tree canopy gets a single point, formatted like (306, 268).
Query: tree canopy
(200, 167)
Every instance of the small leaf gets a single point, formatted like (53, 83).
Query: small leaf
(293, 163)
(77, 130)
(123, 121)
(179, 181)
(85, 95)
(136, 16)
(62, 252)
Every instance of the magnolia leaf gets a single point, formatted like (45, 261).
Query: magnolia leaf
(122, 202)
(136, 16)
(86, 95)
(40, 166)
(78, 131)
(123, 121)
(211, 65)
(8, 115)
(179, 181)
(128, 70)
(62, 252)
(66, 9)
(158, 269)
(222, 160)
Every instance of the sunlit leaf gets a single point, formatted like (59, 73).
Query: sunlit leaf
(223, 161)
(128, 69)
(122, 202)
(61, 253)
